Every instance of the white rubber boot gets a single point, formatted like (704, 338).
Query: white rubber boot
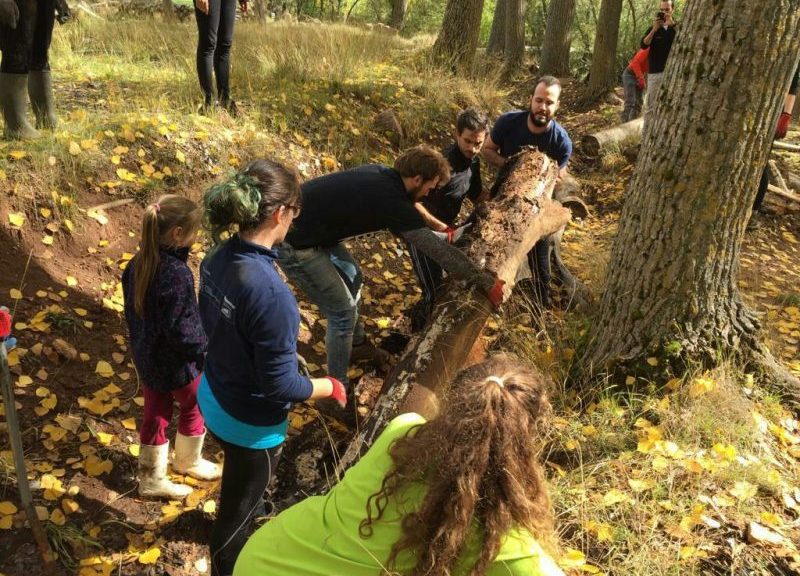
(189, 458)
(153, 480)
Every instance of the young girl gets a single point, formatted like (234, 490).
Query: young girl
(251, 375)
(168, 345)
(460, 495)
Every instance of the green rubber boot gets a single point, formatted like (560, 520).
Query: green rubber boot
(40, 90)
(13, 103)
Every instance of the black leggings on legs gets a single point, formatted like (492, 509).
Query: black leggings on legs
(215, 37)
(245, 475)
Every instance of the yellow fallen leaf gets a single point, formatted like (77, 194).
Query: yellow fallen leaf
(72, 281)
(641, 485)
(6, 522)
(700, 386)
(743, 490)
(17, 219)
(7, 508)
(180, 156)
(150, 556)
(57, 517)
(129, 424)
(134, 449)
(47, 240)
(652, 361)
(80, 311)
(572, 559)
(15, 294)
(614, 496)
(17, 154)
(210, 507)
(45, 212)
(104, 369)
(70, 506)
(74, 148)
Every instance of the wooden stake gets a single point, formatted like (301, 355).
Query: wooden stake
(19, 464)
(778, 145)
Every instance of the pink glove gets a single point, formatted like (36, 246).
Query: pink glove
(783, 125)
(339, 393)
(496, 293)
(5, 323)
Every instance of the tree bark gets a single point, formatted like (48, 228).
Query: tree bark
(593, 144)
(522, 213)
(497, 36)
(671, 287)
(603, 73)
(458, 39)
(398, 17)
(557, 38)
(515, 35)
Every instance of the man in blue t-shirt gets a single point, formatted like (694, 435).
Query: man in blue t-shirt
(533, 127)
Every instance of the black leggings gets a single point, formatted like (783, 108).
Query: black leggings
(539, 262)
(215, 36)
(245, 475)
(25, 48)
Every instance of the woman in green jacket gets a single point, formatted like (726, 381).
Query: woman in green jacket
(462, 494)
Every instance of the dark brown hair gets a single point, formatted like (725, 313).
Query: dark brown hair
(248, 197)
(423, 161)
(479, 460)
(158, 221)
(547, 81)
(472, 119)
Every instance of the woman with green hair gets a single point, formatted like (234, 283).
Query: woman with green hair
(251, 318)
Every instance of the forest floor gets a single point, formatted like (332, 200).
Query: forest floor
(698, 475)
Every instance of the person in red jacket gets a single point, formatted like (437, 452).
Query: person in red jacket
(634, 82)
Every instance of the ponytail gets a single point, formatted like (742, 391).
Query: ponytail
(246, 199)
(159, 219)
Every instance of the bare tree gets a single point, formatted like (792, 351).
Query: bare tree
(557, 38)
(602, 75)
(671, 286)
(458, 39)
(497, 36)
(515, 35)
(398, 17)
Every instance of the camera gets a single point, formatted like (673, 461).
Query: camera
(661, 15)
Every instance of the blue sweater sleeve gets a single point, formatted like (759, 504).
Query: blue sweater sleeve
(271, 321)
(565, 149)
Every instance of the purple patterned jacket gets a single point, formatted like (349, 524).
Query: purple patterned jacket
(168, 344)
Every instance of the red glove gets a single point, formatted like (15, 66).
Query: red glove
(783, 125)
(496, 293)
(5, 323)
(451, 233)
(339, 392)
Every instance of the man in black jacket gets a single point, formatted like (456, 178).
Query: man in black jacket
(659, 39)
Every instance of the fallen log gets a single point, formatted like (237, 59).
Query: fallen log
(783, 193)
(778, 145)
(593, 144)
(505, 231)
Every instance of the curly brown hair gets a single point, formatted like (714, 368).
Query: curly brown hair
(480, 466)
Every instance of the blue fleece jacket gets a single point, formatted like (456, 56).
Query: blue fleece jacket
(252, 322)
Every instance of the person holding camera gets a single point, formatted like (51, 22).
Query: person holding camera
(659, 40)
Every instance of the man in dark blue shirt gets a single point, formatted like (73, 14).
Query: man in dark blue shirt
(441, 207)
(366, 199)
(533, 127)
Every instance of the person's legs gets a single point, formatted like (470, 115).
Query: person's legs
(16, 45)
(245, 476)
(539, 262)
(40, 87)
(313, 271)
(429, 274)
(222, 55)
(154, 449)
(207, 25)
(190, 420)
(629, 91)
(351, 275)
(157, 414)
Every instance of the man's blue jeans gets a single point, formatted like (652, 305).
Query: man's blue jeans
(331, 279)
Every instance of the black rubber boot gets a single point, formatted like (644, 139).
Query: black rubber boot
(13, 103)
(40, 90)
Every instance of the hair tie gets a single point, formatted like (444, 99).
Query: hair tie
(157, 207)
(497, 380)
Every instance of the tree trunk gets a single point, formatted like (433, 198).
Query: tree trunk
(458, 39)
(398, 17)
(522, 213)
(497, 37)
(515, 35)
(603, 73)
(671, 286)
(557, 38)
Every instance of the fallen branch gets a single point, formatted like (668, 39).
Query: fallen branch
(505, 231)
(783, 193)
